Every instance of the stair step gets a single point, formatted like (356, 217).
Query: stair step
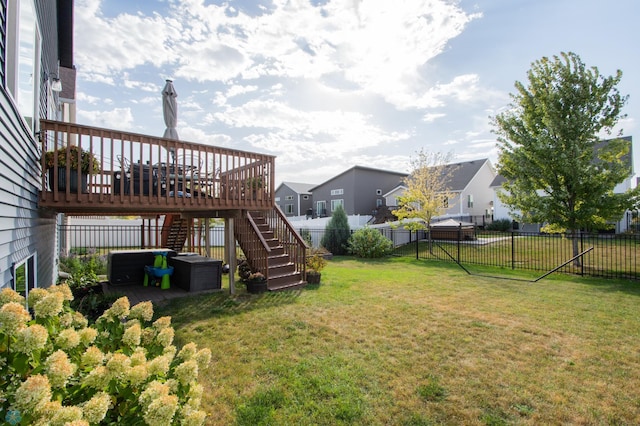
(278, 259)
(284, 280)
(273, 242)
(289, 286)
(277, 251)
(281, 269)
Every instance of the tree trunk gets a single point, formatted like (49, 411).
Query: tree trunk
(575, 238)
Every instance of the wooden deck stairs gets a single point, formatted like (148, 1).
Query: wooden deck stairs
(272, 247)
(174, 232)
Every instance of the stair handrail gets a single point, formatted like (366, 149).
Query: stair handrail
(302, 261)
(293, 230)
(258, 233)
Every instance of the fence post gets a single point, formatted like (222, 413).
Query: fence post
(513, 250)
(417, 248)
(142, 235)
(581, 250)
(459, 236)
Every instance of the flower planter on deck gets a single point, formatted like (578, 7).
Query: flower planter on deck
(74, 177)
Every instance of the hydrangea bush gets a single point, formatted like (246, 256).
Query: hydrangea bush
(56, 369)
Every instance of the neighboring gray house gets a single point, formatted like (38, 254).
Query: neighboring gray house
(293, 198)
(36, 45)
(501, 211)
(471, 182)
(359, 190)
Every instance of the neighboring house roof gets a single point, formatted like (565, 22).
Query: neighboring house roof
(463, 173)
(355, 168)
(498, 181)
(460, 178)
(297, 187)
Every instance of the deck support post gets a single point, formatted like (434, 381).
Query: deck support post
(207, 236)
(230, 252)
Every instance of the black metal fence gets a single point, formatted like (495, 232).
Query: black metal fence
(603, 255)
(100, 239)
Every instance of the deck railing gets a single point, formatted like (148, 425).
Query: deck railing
(141, 174)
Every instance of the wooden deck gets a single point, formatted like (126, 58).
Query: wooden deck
(132, 174)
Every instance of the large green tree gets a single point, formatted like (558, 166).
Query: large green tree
(557, 168)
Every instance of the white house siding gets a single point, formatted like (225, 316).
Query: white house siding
(391, 198)
(478, 187)
(500, 211)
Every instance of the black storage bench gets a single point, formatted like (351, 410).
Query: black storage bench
(125, 267)
(196, 273)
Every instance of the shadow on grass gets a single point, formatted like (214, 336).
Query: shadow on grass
(194, 308)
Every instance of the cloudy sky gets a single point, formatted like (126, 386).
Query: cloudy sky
(328, 84)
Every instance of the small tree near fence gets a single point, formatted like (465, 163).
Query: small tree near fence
(337, 232)
(427, 194)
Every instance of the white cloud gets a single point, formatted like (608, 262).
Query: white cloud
(92, 100)
(108, 46)
(236, 90)
(378, 45)
(144, 86)
(117, 118)
(430, 117)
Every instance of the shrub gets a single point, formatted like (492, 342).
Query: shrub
(337, 232)
(501, 225)
(88, 298)
(369, 243)
(84, 271)
(316, 262)
(57, 369)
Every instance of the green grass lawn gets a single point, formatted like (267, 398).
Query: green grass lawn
(405, 342)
